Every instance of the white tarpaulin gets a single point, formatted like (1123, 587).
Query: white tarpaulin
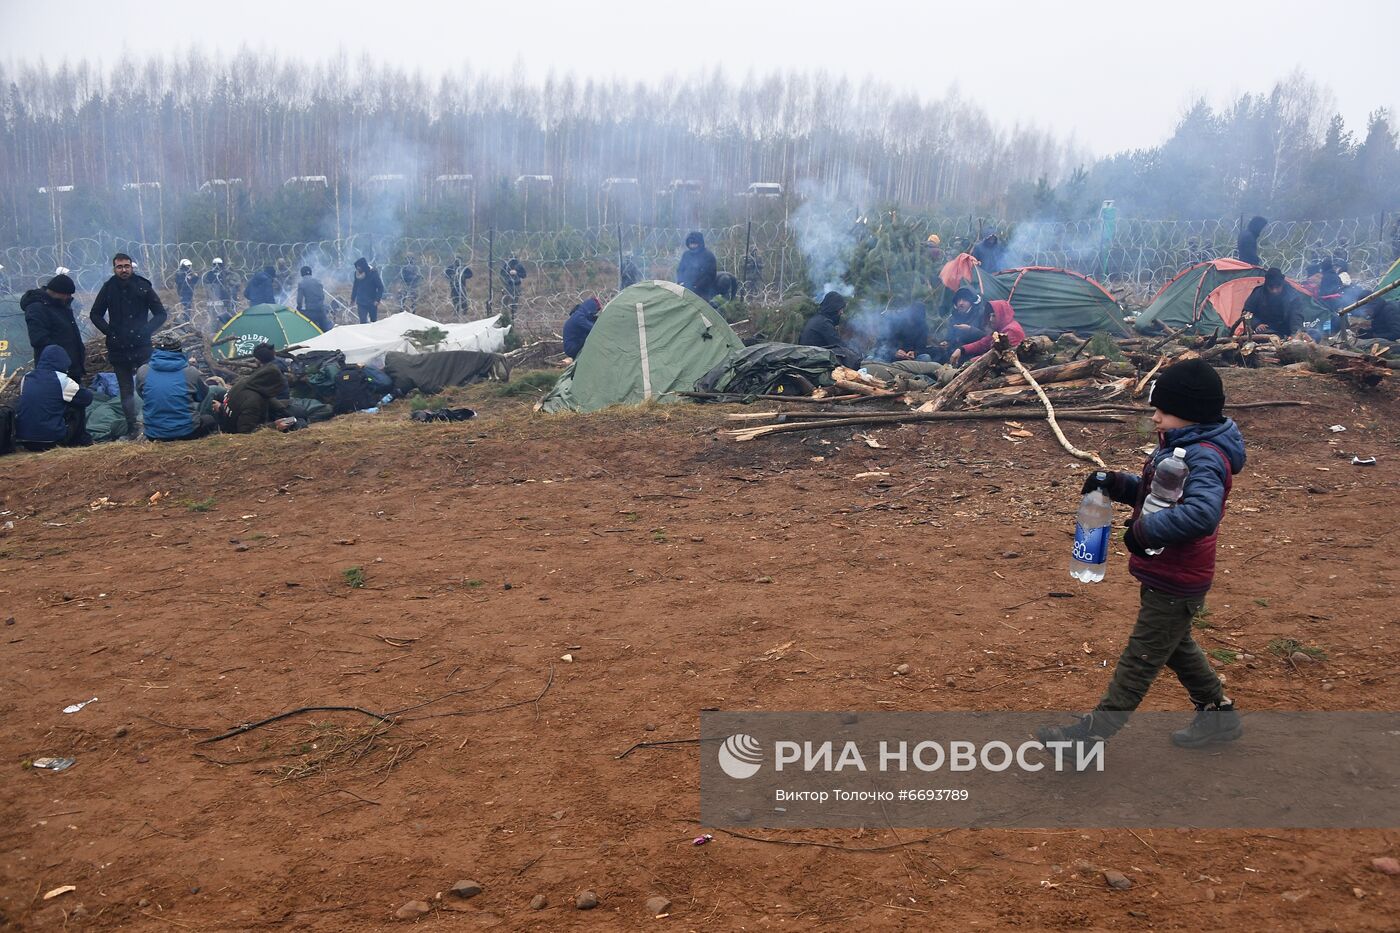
(366, 344)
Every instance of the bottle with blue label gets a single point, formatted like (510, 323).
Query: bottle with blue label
(1092, 529)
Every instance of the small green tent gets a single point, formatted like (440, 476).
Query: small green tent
(1047, 300)
(1051, 300)
(272, 324)
(1211, 295)
(1390, 278)
(14, 336)
(653, 340)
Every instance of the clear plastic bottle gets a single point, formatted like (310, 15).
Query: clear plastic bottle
(1092, 529)
(1168, 483)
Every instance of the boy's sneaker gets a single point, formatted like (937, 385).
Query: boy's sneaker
(1217, 722)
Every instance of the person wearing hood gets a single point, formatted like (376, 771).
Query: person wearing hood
(311, 299)
(512, 279)
(367, 291)
(1173, 557)
(904, 335)
(185, 281)
(1247, 247)
(820, 330)
(698, 270)
(975, 323)
(128, 311)
(52, 406)
(258, 397)
(262, 287)
(457, 275)
(579, 324)
(171, 393)
(48, 315)
(1275, 307)
(990, 253)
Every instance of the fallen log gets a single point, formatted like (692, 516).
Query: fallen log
(1061, 372)
(907, 417)
(743, 397)
(970, 375)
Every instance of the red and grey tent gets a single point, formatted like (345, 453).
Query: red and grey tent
(1211, 295)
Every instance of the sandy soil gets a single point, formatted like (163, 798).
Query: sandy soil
(667, 562)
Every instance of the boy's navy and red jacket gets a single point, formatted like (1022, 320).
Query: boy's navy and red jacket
(1187, 531)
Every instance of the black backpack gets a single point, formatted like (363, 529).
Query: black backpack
(355, 390)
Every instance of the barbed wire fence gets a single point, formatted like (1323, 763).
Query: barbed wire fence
(564, 267)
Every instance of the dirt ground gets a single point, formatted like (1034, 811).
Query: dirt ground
(667, 562)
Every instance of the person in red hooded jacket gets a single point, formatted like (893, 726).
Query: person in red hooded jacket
(983, 320)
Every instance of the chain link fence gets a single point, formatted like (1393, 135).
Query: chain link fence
(563, 267)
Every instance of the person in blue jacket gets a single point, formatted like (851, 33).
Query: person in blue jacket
(579, 324)
(52, 407)
(171, 395)
(698, 269)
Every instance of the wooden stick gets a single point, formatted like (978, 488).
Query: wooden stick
(748, 434)
(1371, 297)
(1142, 385)
(1050, 417)
(741, 396)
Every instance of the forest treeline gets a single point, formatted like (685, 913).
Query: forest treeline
(253, 147)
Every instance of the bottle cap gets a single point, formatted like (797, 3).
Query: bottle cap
(1179, 452)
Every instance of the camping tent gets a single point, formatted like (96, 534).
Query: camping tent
(1046, 299)
(272, 324)
(1210, 295)
(366, 344)
(14, 336)
(1390, 278)
(653, 340)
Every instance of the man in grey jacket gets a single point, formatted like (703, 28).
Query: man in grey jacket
(311, 299)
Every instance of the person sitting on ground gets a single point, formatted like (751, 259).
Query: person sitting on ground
(1275, 307)
(579, 325)
(905, 335)
(262, 287)
(820, 330)
(1385, 319)
(698, 268)
(48, 315)
(311, 299)
(172, 392)
(257, 398)
(52, 407)
(984, 320)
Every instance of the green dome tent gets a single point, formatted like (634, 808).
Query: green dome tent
(1047, 300)
(653, 340)
(1051, 300)
(14, 336)
(272, 324)
(1211, 295)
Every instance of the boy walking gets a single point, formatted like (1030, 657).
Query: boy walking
(1189, 401)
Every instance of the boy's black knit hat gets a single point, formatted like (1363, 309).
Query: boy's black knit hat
(1191, 390)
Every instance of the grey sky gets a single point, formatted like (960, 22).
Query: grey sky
(1114, 74)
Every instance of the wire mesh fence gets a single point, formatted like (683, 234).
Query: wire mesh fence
(563, 267)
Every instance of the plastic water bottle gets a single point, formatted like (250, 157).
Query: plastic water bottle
(1092, 529)
(1168, 483)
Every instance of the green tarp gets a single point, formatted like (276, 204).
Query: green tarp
(653, 340)
(1210, 295)
(765, 368)
(1052, 301)
(272, 324)
(14, 336)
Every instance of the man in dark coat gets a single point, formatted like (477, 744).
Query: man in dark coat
(698, 269)
(1275, 307)
(367, 291)
(457, 275)
(128, 311)
(412, 277)
(904, 335)
(1247, 247)
(262, 287)
(820, 330)
(48, 314)
(512, 277)
(52, 407)
(990, 253)
(256, 399)
(579, 324)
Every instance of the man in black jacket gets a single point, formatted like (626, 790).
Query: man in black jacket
(262, 288)
(128, 311)
(1275, 307)
(48, 314)
(698, 269)
(457, 275)
(1247, 247)
(367, 291)
(820, 330)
